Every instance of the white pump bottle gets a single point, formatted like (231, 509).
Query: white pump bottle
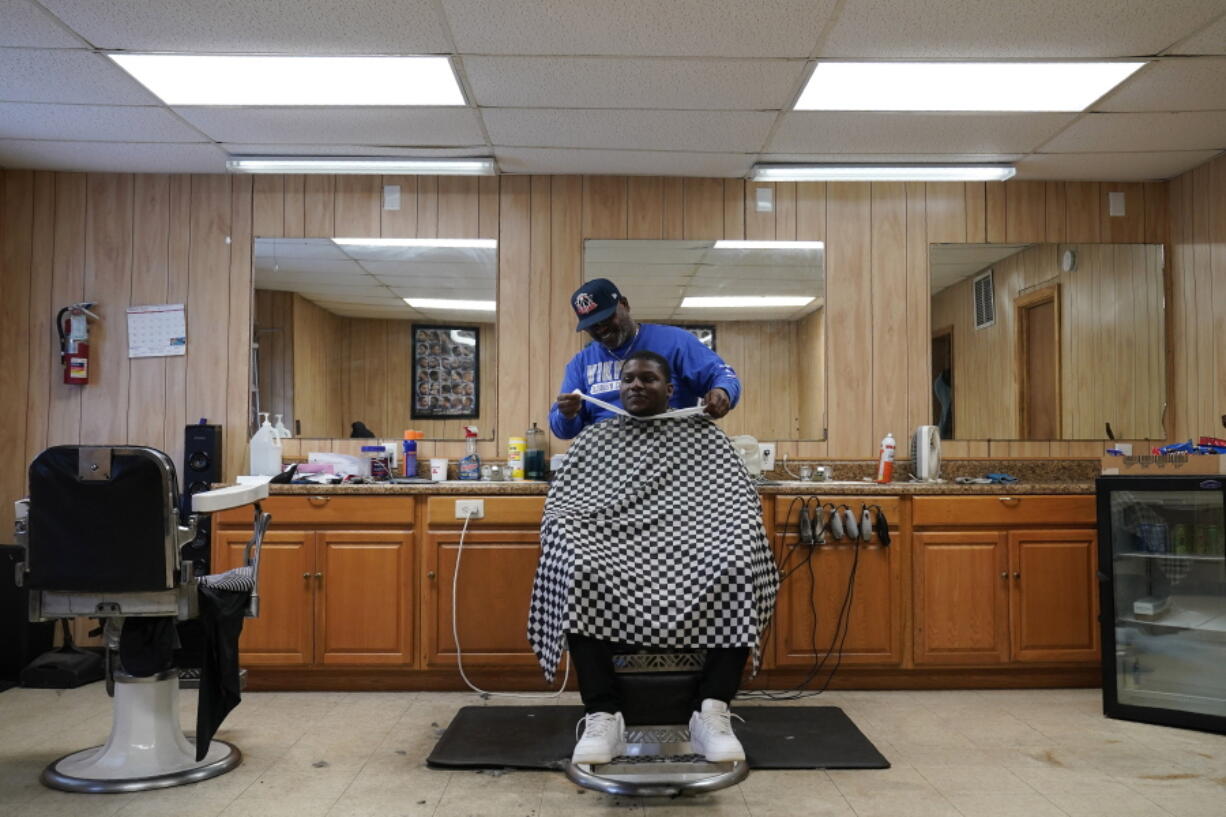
(265, 450)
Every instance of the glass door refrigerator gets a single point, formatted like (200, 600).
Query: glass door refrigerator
(1162, 569)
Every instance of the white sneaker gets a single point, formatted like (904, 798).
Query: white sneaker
(711, 733)
(603, 739)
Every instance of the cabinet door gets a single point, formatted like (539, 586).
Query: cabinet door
(282, 633)
(493, 593)
(1053, 588)
(961, 592)
(364, 597)
(816, 587)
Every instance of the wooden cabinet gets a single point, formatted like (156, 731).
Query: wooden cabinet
(989, 593)
(817, 584)
(328, 596)
(492, 592)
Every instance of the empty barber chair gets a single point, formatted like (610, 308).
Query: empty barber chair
(658, 690)
(102, 533)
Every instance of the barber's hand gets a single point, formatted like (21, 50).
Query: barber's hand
(717, 403)
(569, 405)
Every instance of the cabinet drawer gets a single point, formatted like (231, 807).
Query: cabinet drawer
(1011, 509)
(500, 511)
(891, 506)
(322, 509)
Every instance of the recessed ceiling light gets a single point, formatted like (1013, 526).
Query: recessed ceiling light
(720, 302)
(197, 79)
(882, 173)
(768, 245)
(455, 305)
(477, 243)
(960, 86)
(360, 165)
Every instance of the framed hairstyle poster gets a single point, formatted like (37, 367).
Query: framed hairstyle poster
(446, 376)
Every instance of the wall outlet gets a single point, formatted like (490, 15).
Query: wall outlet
(767, 450)
(470, 508)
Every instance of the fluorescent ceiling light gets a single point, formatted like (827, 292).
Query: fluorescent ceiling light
(360, 164)
(768, 245)
(478, 243)
(447, 303)
(721, 302)
(882, 173)
(197, 79)
(960, 86)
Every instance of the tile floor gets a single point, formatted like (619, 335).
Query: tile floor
(1023, 753)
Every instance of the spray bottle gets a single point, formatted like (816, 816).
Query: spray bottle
(470, 463)
(885, 459)
(410, 452)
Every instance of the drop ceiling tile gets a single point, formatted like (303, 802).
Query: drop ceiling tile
(33, 75)
(629, 130)
(582, 82)
(20, 120)
(1036, 28)
(26, 25)
(858, 132)
(364, 126)
(1196, 84)
(112, 157)
(265, 27)
(622, 162)
(1099, 132)
(1209, 40)
(678, 28)
(1114, 167)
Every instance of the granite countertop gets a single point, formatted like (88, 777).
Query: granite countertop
(847, 488)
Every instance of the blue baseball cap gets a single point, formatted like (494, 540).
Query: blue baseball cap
(594, 302)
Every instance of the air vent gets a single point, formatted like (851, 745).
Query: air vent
(985, 301)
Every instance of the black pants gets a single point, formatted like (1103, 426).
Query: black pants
(592, 659)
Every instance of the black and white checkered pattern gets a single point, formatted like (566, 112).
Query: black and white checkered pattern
(652, 535)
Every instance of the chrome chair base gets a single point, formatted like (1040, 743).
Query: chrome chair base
(222, 757)
(659, 762)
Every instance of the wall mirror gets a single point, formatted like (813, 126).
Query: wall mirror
(770, 324)
(1048, 341)
(334, 338)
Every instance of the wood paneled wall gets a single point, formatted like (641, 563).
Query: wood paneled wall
(1111, 343)
(1197, 301)
(126, 239)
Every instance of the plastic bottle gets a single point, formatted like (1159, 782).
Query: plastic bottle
(885, 459)
(534, 454)
(515, 457)
(410, 452)
(265, 458)
(470, 463)
(380, 467)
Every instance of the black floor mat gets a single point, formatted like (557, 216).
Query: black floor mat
(542, 737)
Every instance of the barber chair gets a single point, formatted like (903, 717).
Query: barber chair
(102, 534)
(658, 690)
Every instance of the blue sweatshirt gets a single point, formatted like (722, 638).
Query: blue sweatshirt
(597, 371)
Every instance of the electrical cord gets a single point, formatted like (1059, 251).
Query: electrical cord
(455, 634)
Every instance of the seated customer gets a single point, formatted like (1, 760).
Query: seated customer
(652, 536)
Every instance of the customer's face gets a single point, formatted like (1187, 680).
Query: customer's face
(644, 389)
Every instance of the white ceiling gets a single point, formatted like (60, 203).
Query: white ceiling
(687, 87)
(950, 263)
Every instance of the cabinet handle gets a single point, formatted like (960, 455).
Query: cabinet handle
(1017, 574)
(319, 576)
(318, 501)
(1009, 500)
(1004, 574)
(430, 575)
(306, 575)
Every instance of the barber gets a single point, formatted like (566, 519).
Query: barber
(596, 370)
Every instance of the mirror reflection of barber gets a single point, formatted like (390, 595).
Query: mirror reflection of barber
(597, 369)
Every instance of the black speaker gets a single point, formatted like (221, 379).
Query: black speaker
(20, 639)
(201, 468)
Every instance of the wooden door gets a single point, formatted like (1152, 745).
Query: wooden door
(493, 593)
(1052, 595)
(282, 633)
(961, 592)
(1038, 365)
(364, 597)
(873, 632)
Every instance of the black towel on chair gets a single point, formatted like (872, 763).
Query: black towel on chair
(147, 645)
(221, 614)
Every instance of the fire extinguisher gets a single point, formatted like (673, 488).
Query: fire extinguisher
(72, 322)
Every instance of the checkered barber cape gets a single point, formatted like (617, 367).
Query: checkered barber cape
(652, 535)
